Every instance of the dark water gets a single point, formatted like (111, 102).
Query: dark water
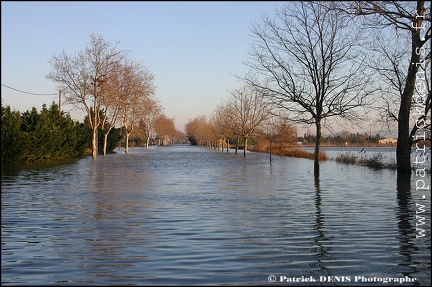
(185, 215)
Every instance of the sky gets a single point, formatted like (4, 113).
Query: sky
(195, 50)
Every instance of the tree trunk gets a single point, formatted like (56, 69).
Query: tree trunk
(105, 143)
(237, 145)
(95, 142)
(317, 148)
(227, 145)
(148, 141)
(127, 143)
(403, 150)
(270, 149)
(245, 146)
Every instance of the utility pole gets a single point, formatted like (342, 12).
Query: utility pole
(59, 105)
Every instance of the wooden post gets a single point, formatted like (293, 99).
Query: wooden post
(59, 105)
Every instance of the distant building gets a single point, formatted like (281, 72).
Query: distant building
(388, 141)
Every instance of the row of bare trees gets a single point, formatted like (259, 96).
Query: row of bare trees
(320, 60)
(236, 118)
(317, 61)
(111, 88)
(306, 62)
(245, 115)
(313, 62)
(166, 131)
(240, 116)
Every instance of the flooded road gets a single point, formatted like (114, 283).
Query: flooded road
(184, 215)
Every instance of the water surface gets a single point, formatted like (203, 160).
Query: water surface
(184, 215)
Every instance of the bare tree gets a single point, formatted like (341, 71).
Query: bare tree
(83, 75)
(284, 135)
(196, 130)
(390, 63)
(307, 63)
(113, 96)
(275, 134)
(223, 126)
(165, 129)
(249, 109)
(226, 121)
(138, 89)
(412, 18)
(148, 119)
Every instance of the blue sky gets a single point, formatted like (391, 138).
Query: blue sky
(194, 49)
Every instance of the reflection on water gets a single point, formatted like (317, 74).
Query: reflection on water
(185, 215)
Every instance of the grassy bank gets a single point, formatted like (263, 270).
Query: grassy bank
(375, 161)
(292, 152)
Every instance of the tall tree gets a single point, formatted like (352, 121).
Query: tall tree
(196, 130)
(165, 129)
(148, 119)
(222, 125)
(113, 95)
(249, 110)
(390, 61)
(413, 19)
(306, 61)
(82, 76)
(138, 89)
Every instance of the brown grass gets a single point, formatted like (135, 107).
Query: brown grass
(303, 154)
(292, 152)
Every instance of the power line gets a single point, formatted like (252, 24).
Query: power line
(28, 92)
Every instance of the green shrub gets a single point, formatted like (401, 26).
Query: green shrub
(33, 136)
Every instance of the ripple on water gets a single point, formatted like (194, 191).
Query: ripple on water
(183, 215)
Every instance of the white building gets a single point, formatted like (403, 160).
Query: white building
(388, 141)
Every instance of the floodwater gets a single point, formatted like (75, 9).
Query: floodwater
(383, 154)
(185, 215)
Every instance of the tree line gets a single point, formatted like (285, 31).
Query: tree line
(312, 63)
(50, 134)
(316, 61)
(112, 89)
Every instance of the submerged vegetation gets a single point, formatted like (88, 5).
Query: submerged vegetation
(291, 152)
(376, 161)
(303, 154)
